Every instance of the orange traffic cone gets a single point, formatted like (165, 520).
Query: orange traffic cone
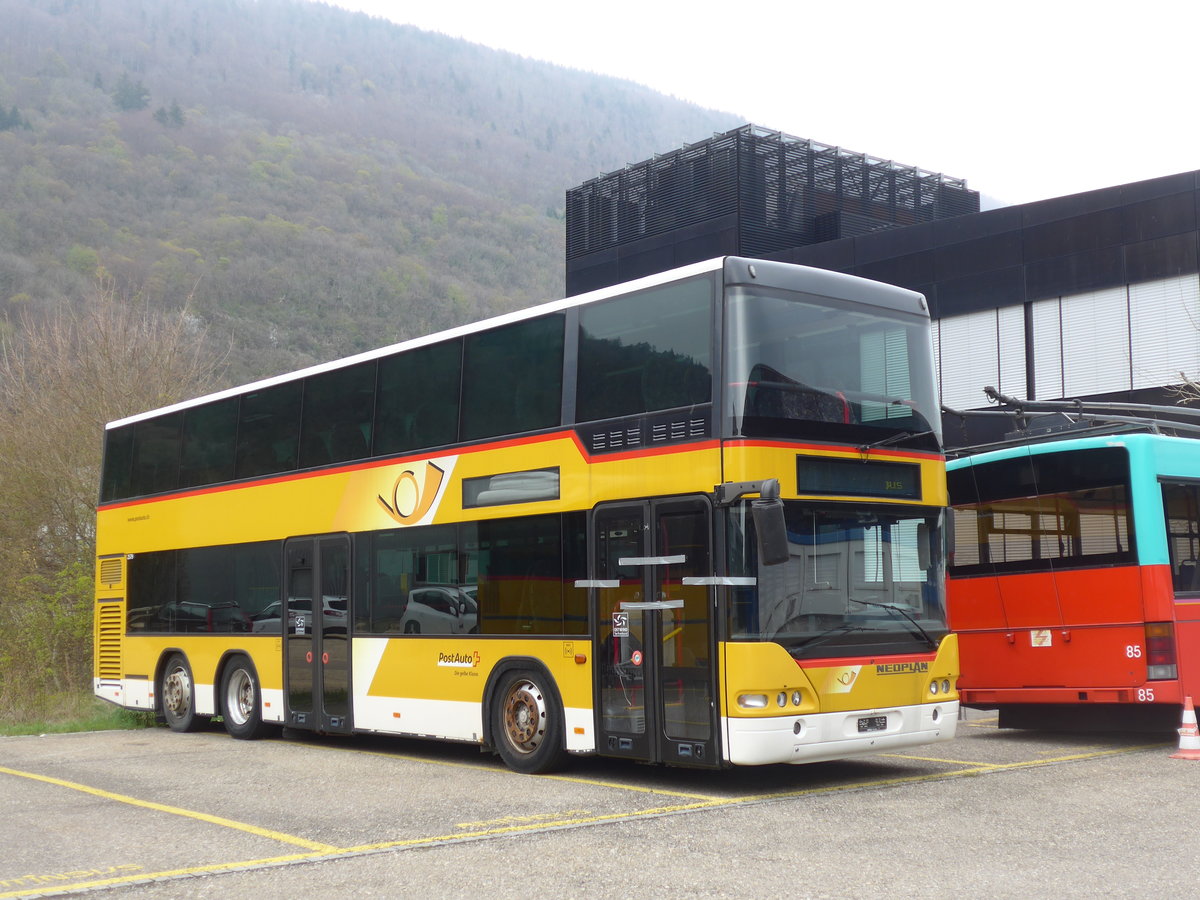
(1189, 735)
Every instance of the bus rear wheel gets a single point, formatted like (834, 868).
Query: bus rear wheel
(241, 701)
(178, 694)
(527, 724)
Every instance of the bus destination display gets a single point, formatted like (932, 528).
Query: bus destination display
(817, 475)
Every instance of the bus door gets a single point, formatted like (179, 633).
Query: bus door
(655, 651)
(316, 643)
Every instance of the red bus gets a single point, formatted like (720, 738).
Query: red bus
(1074, 580)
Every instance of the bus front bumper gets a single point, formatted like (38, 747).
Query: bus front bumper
(815, 738)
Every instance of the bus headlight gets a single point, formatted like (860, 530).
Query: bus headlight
(752, 701)
(933, 687)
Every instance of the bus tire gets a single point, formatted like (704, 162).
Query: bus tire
(527, 723)
(241, 701)
(177, 693)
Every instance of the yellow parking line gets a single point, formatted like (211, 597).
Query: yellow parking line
(544, 826)
(176, 811)
(570, 779)
(716, 803)
(324, 850)
(633, 788)
(1091, 754)
(46, 887)
(1074, 757)
(935, 759)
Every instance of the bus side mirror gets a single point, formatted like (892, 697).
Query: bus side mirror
(770, 527)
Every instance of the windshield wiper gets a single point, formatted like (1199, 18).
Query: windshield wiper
(894, 439)
(933, 645)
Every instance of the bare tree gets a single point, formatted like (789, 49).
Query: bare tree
(62, 377)
(1187, 391)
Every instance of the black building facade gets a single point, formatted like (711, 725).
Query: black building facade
(1083, 242)
(748, 192)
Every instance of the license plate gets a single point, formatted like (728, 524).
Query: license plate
(872, 723)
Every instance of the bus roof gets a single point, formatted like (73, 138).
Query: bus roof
(737, 271)
(1065, 444)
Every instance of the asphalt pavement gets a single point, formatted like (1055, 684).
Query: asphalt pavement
(150, 814)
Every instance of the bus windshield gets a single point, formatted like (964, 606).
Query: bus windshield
(815, 367)
(858, 581)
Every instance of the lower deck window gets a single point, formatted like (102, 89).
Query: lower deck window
(505, 576)
(204, 589)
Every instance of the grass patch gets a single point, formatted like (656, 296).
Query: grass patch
(62, 715)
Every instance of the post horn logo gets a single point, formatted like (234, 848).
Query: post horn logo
(413, 496)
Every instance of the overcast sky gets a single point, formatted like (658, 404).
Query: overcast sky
(1025, 100)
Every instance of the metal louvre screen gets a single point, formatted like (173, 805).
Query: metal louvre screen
(786, 192)
(970, 358)
(688, 186)
(1047, 349)
(1095, 334)
(1010, 331)
(1163, 315)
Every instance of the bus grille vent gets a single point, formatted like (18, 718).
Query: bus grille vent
(678, 430)
(110, 572)
(637, 432)
(108, 640)
(616, 440)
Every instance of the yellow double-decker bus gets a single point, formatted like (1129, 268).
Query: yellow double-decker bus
(695, 519)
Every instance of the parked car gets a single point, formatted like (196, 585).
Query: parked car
(440, 609)
(191, 616)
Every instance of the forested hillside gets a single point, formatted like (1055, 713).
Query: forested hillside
(317, 182)
(195, 193)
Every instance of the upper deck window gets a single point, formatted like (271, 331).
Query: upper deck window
(646, 351)
(814, 367)
(156, 454)
(512, 379)
(418, 398)
(269, 430)
(338, 410)
(209, 443)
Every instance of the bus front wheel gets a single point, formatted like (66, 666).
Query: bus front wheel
(527, 724)
(178, 694)
(241, 701)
